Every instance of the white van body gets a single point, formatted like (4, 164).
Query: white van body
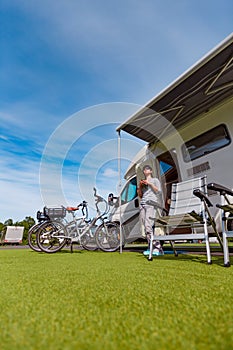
(190, 136)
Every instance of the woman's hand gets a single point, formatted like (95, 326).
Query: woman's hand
(144, 182)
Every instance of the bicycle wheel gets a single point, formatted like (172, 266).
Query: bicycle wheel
(32, 242)
(88, 241)
(51, 237)
(108, 236)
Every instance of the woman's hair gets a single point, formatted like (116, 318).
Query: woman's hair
(147, 167)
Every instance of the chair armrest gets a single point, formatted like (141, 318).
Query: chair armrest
(202, 197)
(219, 188)
(226, 207)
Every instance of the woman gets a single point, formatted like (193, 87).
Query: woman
(149, 190)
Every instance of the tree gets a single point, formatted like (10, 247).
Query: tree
(8, 222)
(28, 222)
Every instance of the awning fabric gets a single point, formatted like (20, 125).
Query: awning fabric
(203, 86)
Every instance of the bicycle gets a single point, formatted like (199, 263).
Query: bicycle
(108, 233)
(42, 217)
(108, 236)
(33, 231)
(54, 235)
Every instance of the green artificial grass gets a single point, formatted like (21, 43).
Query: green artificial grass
(95, 300)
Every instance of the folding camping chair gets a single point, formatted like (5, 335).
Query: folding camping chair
(189, 209)
(227, 217)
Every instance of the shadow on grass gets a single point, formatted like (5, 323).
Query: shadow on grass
(191, 257)
(168, 256)
(62, 251)
(188, 257)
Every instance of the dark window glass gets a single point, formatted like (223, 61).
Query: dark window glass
(205, 143)
(130, 191)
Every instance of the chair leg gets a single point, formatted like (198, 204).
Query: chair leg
(207, 243)
(150, 257)
(174, 249)
(225, 242)
(213, 224)
(226, 250)
(217, 234)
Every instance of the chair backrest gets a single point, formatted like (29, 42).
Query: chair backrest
(182, 198)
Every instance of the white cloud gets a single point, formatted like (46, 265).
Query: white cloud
(110, 173)
(3, 137)
(19, 190)
(26, 119)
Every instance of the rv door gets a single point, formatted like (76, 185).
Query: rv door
(129, 211)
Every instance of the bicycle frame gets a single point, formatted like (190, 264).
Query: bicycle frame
(80, 227)
(54, 235)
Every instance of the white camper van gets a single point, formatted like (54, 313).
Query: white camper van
(188, 129)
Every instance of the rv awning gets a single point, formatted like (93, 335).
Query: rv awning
(203, 86)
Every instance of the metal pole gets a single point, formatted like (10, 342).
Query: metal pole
(119, 185)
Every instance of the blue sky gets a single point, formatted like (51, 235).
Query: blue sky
(71, 71)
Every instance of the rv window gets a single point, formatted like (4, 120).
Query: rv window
(208, 142)
(168, 167)
(130, 191)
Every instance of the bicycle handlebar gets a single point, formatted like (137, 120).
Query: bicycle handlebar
(83, 205)
(99, 199)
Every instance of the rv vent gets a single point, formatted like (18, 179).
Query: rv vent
(198, 169)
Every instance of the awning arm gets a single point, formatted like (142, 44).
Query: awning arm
(119, 184)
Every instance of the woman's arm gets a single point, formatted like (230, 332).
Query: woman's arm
(139, 189)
